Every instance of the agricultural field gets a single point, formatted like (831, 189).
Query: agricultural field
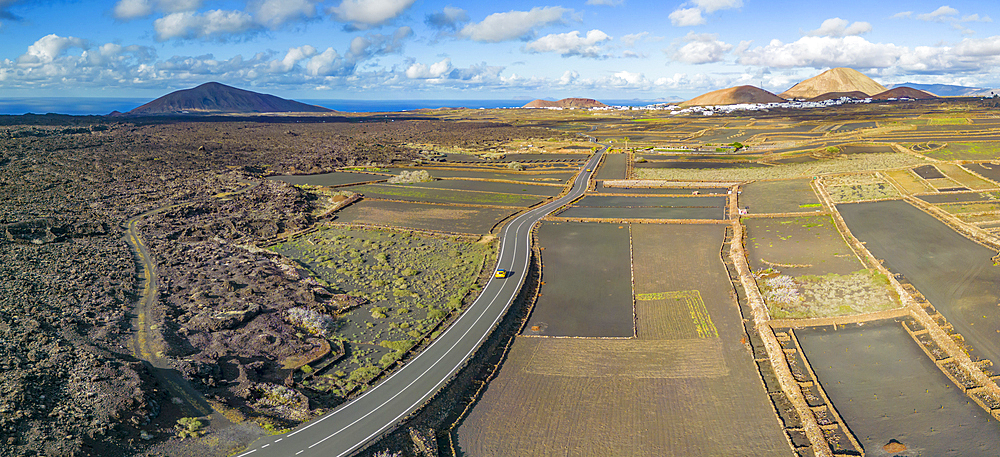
(424, 216)
(598, 206)
(408, 284)
(873, 375)
(337, 178)
(909, 181)
(963, 177)
(587, 274)
(787, 196)
(859, 187)
(421, 194)
(600, 188)
(959, 150)
(804, 268)
(956, 275)
(612, 167)
(842, 164)
(492, 186)
(987, 170)
(685, 386)
(532, 175)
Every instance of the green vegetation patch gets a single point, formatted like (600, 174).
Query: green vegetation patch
(806, 296)
(411, 283)
(425, 194)
(982, 150)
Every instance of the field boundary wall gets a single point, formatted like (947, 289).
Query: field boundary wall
(978, 382)
(775, 354)
(637, 221)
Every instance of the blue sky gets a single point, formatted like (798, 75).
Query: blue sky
(424, 49)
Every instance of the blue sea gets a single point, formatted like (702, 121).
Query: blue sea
(101, 106)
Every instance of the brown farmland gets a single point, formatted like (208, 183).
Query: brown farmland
(671, 391)
(424, 216)
(787, 196)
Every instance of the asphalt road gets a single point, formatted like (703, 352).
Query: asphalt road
(354, 424)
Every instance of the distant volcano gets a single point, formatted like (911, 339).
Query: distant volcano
(219, 98)
(566, 103)
(733, 96)
(904, 92)
(834, 80)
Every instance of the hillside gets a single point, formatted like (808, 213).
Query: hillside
(944, 90)
(219, 98)
(734, 95)
(904, 92)
(834, 80)
(835, 95)
(565, 103)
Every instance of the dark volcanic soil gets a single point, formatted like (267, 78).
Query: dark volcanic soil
(886, 388)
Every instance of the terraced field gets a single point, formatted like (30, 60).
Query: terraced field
(424, 216)
(417, 193)
(786, 196)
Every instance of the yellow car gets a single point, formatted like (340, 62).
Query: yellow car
(589, 169)
(501, 274)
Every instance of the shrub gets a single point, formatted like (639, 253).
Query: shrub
(313, 321)
(517, 166)
(408, 177)
(188, 427)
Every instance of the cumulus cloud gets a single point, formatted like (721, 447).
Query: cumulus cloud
(514, 25)
(571, 44)
(837, 27)
(692, 13)
(702, 48)
(374, 44)
(710, 6)
(363, 14)
(820, 52)
(447, 19)
(686, 17)
(633, 38)
(211, 24)
(939, 15)
(569, 77)
(275, 13)
(944, 14)
(48, 48)
(133, 9)
(436, 70)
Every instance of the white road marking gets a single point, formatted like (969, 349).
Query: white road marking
(524, 218)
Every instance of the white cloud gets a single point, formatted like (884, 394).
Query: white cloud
(514, 25)
(632, 38)
(819, 52)
(605, 2)
(328, 63)
(702, 48)
(627, 78)
(976, 18)
(837, 27)
(134, 9)
(211, 24)
(275, 13)
(693, 15)
(902, 15)
(369, 13)
(48, 48)
(436, 70)
(571, 44)
(449, 18)
(569, 77)
(686, 17)
(372, 44)
(710, 6)
(292, 57)
(939, 15)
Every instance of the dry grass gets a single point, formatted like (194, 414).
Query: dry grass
(911, 183)
(963, 177)
(942, 183)
(829, 295)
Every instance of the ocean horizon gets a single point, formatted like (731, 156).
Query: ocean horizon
(85, 106)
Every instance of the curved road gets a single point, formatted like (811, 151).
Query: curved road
(352, 425)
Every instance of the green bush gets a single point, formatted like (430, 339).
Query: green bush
(189, 427)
